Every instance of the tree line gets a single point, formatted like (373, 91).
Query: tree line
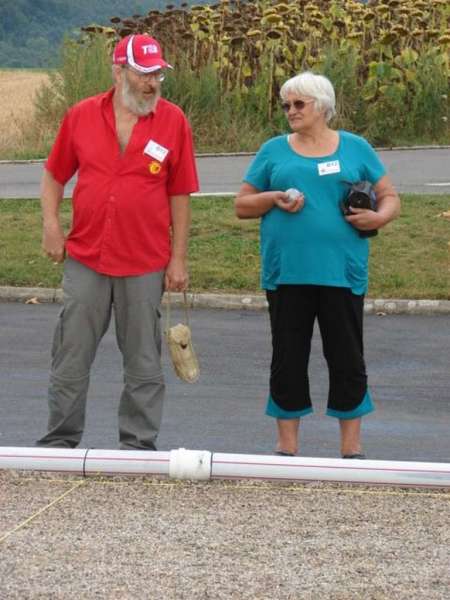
(31, 31)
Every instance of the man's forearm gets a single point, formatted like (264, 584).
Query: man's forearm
(52, 194)
(180, 208)
(53, 241)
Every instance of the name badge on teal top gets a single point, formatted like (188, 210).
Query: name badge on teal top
(328, 168)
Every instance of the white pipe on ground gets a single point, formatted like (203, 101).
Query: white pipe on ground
(297, 468)
(204, 465)
(85, 461)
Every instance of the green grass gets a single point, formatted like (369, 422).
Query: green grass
(409, 258)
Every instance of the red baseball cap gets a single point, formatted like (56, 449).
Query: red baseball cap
(141, 52)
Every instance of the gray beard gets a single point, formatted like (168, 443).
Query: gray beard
(138, 107)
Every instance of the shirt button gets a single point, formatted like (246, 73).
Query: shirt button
(112, 198)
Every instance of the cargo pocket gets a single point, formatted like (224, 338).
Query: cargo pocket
(58, 334)
(157, 329)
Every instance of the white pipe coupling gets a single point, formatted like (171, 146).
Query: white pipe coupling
(190, 464)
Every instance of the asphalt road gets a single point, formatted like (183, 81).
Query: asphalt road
(408, 365)
(413, 171)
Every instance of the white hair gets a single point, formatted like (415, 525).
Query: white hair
(314, 86)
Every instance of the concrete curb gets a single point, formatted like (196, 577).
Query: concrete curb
(381, 306)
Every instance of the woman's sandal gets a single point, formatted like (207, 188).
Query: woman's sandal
(281, 453)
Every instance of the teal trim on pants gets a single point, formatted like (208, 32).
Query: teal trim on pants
(362, 409)
(273, 410)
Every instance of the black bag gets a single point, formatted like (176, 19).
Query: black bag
(360, 195)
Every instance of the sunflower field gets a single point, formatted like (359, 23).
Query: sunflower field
(388, 60)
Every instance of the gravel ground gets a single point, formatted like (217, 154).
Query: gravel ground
(159, 539)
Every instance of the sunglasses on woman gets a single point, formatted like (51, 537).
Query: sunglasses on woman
(297, 104)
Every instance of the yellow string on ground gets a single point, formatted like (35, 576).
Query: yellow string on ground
(42, 510)
(305, 488)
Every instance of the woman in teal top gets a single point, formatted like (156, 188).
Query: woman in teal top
(314, 259)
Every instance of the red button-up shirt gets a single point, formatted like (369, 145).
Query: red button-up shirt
(121, 212)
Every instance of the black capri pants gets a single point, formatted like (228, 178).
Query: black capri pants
(293, 310)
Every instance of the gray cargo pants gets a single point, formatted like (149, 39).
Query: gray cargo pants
(89, 299)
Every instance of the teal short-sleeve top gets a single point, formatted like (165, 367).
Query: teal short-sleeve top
(315, 246)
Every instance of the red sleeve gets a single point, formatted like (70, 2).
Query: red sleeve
(62, 161)
(183, 178)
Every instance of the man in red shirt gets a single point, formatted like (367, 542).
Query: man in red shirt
(134, 156)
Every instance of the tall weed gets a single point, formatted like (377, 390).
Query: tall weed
(85, 70)
(341, 64)
(428, 117)
(221, 121)
(407, 98)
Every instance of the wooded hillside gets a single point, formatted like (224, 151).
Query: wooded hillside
(31, 31)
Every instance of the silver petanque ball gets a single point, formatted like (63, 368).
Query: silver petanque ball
(292, 194)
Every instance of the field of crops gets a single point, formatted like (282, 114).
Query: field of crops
(17, 88)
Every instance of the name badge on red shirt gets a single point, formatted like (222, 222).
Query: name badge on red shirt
(155, 150)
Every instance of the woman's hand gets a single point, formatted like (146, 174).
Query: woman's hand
(285, 201)
(388, 208)
(364, 219)
(251, 203)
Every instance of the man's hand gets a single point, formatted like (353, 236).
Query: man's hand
(53, 242)
(283, 201)
(176, 278)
